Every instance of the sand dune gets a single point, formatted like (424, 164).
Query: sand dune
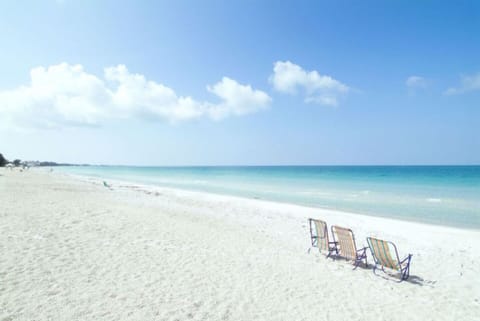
(72, 249)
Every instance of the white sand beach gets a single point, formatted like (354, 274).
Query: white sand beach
(72, 249)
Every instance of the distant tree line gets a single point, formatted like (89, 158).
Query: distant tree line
(3, 161)
(18, 162)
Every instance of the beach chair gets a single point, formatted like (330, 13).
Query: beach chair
(319, 237)
(382, 255)
(346, 247)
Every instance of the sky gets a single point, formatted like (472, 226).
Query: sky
(240, 82)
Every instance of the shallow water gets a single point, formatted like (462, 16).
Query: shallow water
(446, 195)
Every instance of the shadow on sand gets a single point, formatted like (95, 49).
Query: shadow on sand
(395, 277)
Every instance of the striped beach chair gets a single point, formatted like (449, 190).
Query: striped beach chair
(346, 247)
(319, 237)
(382, 255)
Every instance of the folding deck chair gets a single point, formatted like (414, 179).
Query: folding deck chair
(319, 237)
(382, 255)
(346, 247)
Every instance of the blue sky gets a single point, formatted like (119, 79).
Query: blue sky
(241, 82)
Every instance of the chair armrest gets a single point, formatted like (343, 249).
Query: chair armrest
(407, 258)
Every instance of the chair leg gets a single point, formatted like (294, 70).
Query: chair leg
(360, 258)
(355, 264)
(406, 271)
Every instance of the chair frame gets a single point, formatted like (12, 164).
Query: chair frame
(403, 265)
(360, 254)
(331, 246)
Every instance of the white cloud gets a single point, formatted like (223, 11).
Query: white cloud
(237, 99)
(416, 82)
(66, 95)
(288, 78)
(469, 83)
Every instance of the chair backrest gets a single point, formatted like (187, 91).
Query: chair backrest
(320, 231)
(382, 254)
(346, 242)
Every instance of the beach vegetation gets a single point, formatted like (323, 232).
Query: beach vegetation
(3, 161)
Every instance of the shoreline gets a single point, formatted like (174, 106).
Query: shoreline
(294, 206)
(75, 250)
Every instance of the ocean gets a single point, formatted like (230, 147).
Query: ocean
(444, 195)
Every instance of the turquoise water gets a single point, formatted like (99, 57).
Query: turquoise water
(446, 195)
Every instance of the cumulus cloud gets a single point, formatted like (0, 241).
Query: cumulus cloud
(416, 82)
(468, 83)
(236, 99)
(66, 95)
(289, 78)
